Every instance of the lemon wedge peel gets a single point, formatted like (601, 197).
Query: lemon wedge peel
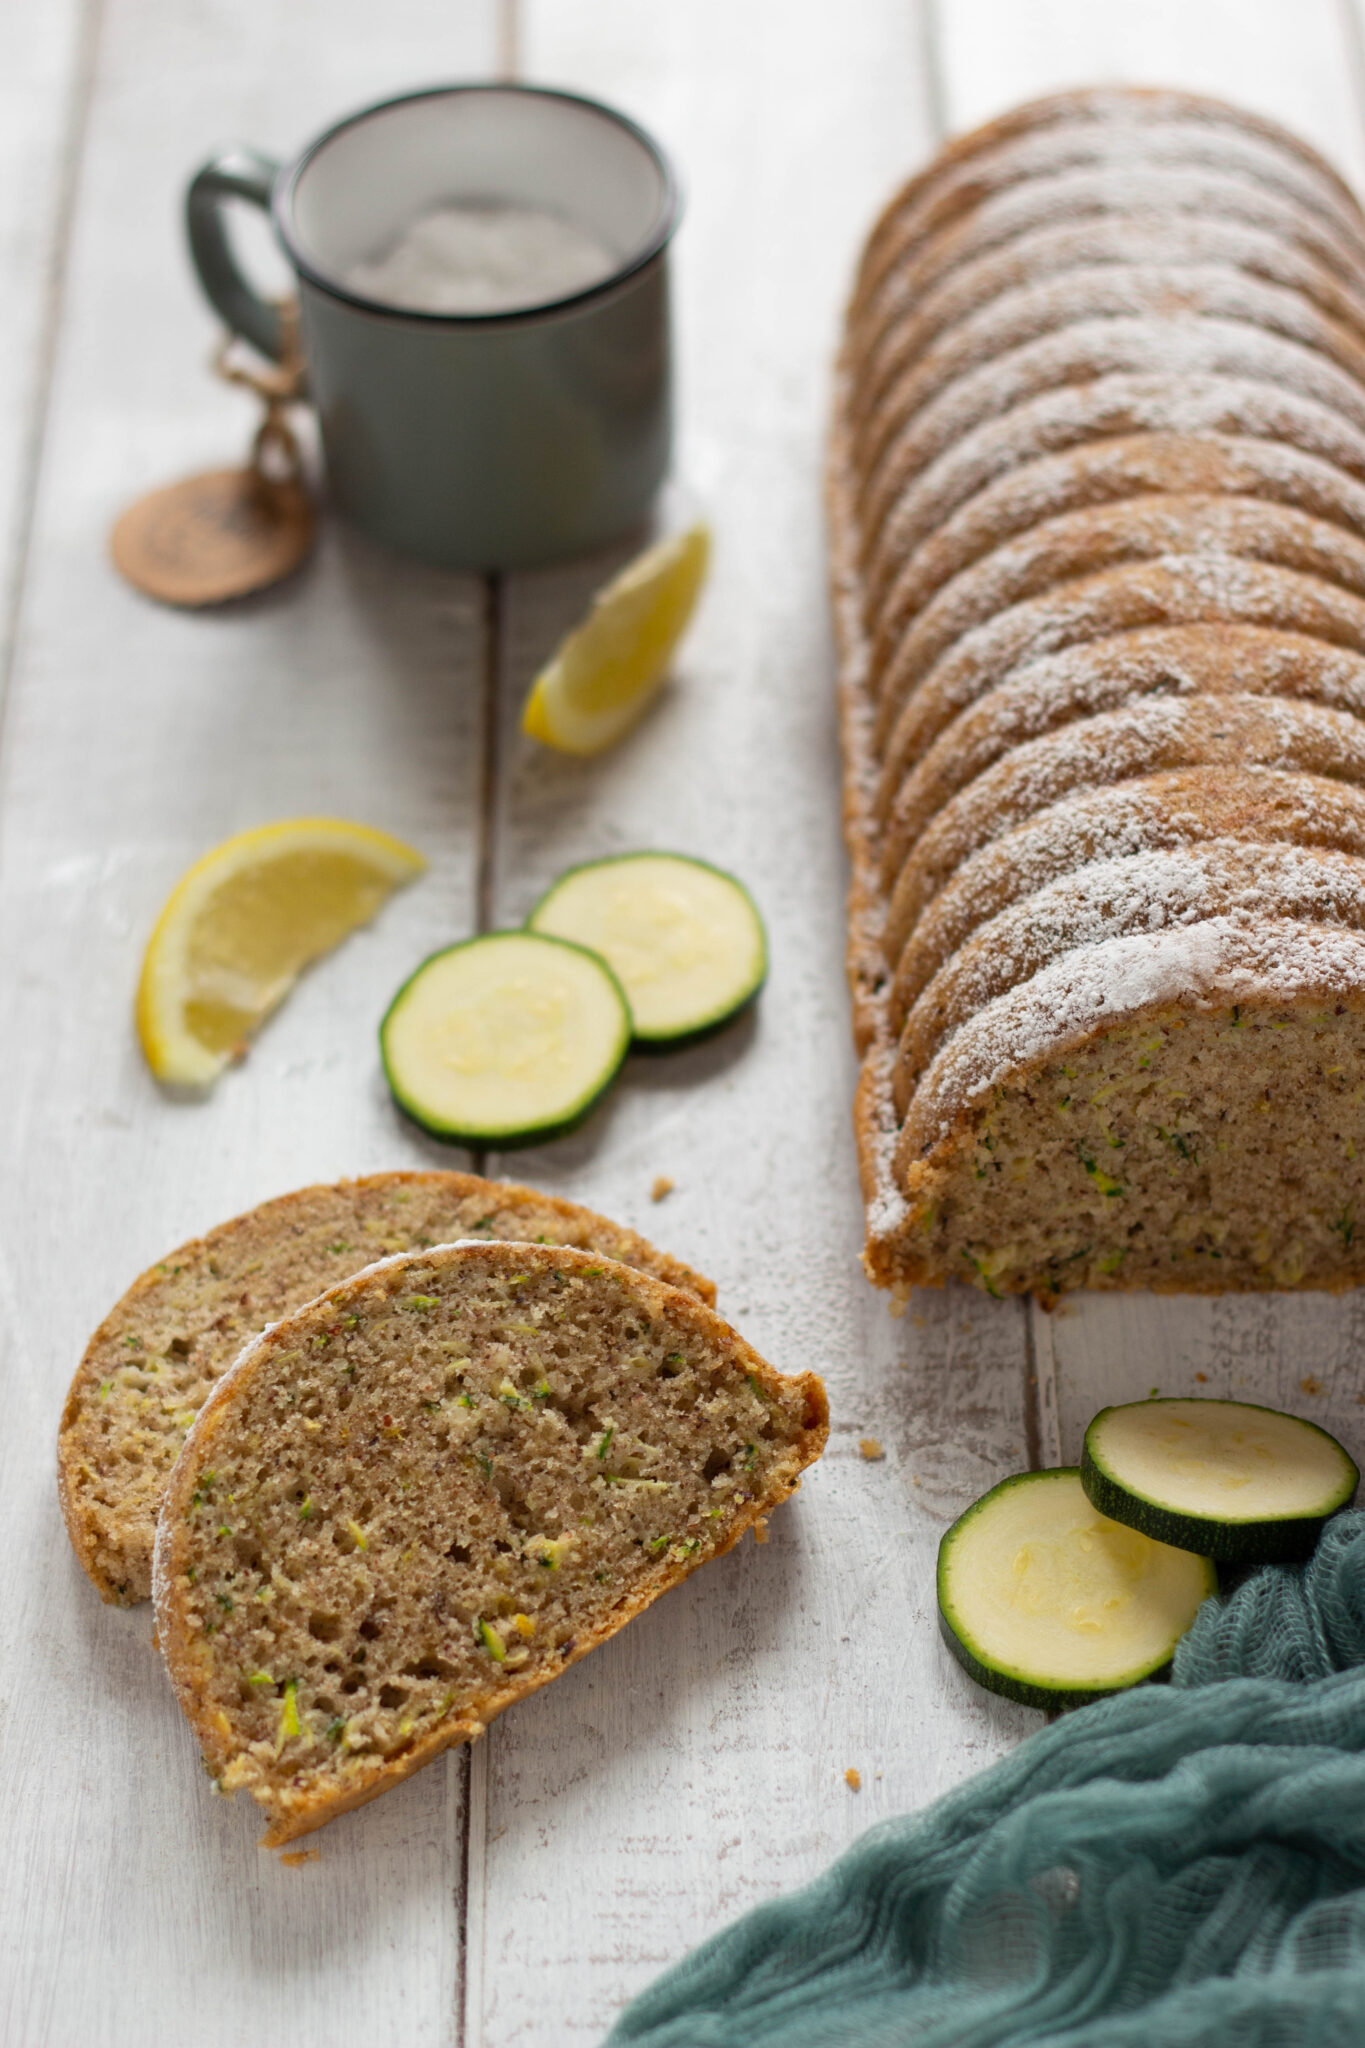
(609, 668)
(228, 947)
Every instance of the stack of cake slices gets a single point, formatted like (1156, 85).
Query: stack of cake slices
(394, 1453)
(1097, 492)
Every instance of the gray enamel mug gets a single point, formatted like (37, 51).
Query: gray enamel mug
(485, 440)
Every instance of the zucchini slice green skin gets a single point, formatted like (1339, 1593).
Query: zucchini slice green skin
(503, 1134)
(1248, 1540)
(1022, 1510)
(558, 914)
(1050, 1699)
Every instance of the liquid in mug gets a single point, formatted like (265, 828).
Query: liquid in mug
(483, 256)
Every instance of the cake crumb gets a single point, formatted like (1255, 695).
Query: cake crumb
(662, 1186)
(761, 1529)
(298, 1856)
(1310, 1385)
(871, 1448)
(853, 1779)
(1202, 1378)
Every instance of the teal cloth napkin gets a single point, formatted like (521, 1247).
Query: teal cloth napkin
(1180, 1866)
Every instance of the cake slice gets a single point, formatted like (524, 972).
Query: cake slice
(1178, 807)
(1119, 746)
(1081, 197)
(428, 1492)
(1104, 474)
(1103, 675)
(155, 1356)
(1055, 551)
(1243, 881)
(1117, 406)
(1178, 1110)
(1065, 247)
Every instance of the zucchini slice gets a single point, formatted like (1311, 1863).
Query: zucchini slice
(1052, 1604)
(684, 939)
(1242, 1484)
(506, 1039)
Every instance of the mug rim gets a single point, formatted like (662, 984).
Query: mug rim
(658, 238)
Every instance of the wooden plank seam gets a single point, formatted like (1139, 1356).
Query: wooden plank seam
(71, 157)
(473, 1757)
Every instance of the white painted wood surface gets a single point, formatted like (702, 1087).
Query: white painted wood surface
(519, 1893)
(44, 76)
(134, 1906)
(696, 1766)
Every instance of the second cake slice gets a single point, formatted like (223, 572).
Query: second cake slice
(425, 1494)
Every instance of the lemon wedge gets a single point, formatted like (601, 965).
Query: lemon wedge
(241, 925)
(605, 672)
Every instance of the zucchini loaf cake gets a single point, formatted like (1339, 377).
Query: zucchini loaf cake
(431, 1490)
(152, 1361)
(1097, 498)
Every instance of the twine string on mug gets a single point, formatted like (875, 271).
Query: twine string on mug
(275, 453)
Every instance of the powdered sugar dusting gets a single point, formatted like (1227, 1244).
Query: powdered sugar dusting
(1090, 192)
(1125, 138)
(1102, 408)
(1209, 965)
(1183, 345)
(1098, 537)
(1057, 249)
(1109, 291)
(1152, 891)
(1157, 732)
(1099, 473)
(1178, 807)
(1101, 675)
(1175, 590)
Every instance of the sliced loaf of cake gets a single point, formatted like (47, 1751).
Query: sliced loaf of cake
(428, 1492)
(160, 1349)
(1094, 491)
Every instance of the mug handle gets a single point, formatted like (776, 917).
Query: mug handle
(235, 173)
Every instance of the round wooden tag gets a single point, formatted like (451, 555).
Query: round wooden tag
(214, 537)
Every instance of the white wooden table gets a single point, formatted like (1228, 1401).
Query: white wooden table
(518, 1893)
